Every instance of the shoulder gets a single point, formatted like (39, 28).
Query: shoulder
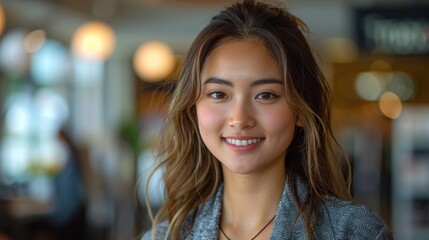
(161, 230)
(199, 224)
(353, 221)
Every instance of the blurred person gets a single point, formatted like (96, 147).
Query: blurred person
(247, 150)
(66, 219)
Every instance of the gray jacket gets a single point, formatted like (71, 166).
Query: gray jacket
(337, 220)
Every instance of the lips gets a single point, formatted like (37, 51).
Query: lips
(242, 144)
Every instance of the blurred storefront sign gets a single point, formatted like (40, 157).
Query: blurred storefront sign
(400, 30)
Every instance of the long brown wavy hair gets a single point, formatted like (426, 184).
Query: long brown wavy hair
(192, 174)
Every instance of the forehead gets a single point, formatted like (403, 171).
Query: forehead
(234, 58)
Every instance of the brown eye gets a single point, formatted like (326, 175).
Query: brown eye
(217, 95)
(266, 96)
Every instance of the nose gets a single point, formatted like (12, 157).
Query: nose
(241, 116)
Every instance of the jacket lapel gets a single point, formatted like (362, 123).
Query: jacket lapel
(206, 221)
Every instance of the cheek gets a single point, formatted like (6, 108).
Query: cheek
(209, 119)
(279, 121)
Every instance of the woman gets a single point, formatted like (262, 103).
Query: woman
(247, 148)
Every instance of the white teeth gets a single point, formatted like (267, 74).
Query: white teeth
(239, 142)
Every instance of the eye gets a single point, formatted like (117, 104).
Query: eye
(217, 95)
(266, 96)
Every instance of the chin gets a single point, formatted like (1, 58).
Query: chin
(239, 168)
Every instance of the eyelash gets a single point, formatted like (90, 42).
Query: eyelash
(272, 96)
(212, 95)
(223, 95)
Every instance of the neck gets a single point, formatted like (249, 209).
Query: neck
(259, 192)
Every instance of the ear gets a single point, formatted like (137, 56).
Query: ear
(299, 122)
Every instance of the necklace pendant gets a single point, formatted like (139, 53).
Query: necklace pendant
(254, 237)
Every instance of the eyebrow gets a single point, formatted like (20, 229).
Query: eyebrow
(254, 83)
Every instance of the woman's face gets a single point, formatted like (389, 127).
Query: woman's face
(243, 116)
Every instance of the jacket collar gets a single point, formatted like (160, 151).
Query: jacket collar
(287, 220)
(206, 221)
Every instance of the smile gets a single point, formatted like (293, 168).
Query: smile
(242, 142)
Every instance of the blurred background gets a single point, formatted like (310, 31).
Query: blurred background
(80, 90)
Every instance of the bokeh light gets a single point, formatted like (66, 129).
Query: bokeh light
(380, 65)
(369, 86)
(390, 105)
(401, 84)
(13, 57)
(50, 63)
(94, 40)
(34, 40)
(52, 110)
(14, 153)
(18, 115)
(154, 61)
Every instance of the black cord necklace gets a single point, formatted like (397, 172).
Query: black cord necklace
(260, 231)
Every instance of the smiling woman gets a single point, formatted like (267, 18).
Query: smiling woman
(247, 148)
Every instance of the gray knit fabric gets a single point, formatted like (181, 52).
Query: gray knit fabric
(337, 220)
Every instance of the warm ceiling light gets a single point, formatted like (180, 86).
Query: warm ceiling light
(154, 61)
(94, 41)
(380, 65)
(390, 105)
